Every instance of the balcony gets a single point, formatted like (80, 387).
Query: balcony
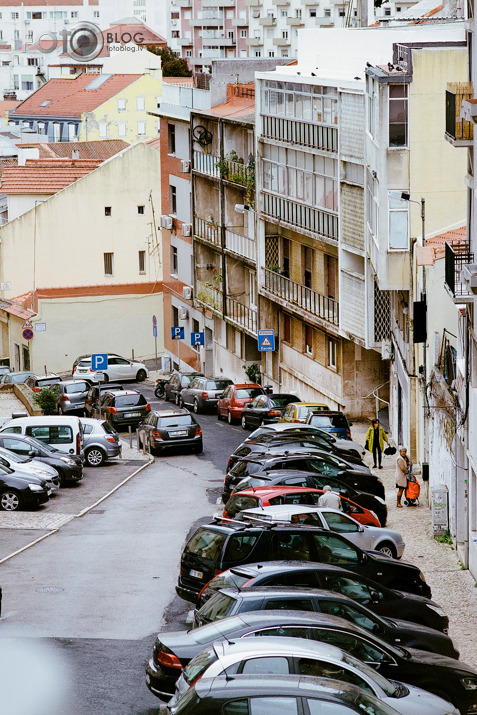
(254, 3)
(281, 41)
(459, 131)
(295, 21)
(218, 41)
(208, 20)
(206, 230)
(316, 304)
(241, 315)
(267, 21)
(206, 164)
(310, 220)
(255, 41)
(456, 257)
(240, 245)
(281, 3)
(240, 22)
(185, 41)
(401, 343)
(183, 3)
(209, 296)
(237, 172)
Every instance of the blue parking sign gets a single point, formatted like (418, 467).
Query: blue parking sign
(197, 339)
(177, 333)
(99, 361)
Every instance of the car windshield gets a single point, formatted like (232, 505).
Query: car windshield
(76, 387)
(41, 445)
(129, 400)
(18, 376)
(206, 544)
(338, 421)
(199, 665)
(245, 392)
(217, 384)
(48, 381)
(12, 457)
(390, 689)
(217, 607)
(176, 421)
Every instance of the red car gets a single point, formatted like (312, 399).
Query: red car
(233, 400)
(269, 496)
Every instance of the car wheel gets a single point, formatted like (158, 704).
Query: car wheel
(219, 416)
(106, 378)
(244, 422)
(387, 548)
(230, 419)
(95, 457)
(199, 449)
(196, 406)
(141, 375)
(10, 500)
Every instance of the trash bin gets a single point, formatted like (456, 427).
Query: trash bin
(425, 471)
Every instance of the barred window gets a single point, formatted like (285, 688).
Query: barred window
(108, 264)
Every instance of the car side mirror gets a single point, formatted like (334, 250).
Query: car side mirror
(342, 465)
(374, 596)
(32, 453)
(360, 528)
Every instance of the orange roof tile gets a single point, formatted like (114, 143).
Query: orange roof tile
(4, 163)
(6, 105)
(70, 97)
(99, 150)
(237, 107)
(44, 176)
(457, 236)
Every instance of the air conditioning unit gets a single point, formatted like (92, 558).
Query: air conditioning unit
(386, 350)
(468, 275)
(186, 229)
(187, 293)
(166, 222)
(185, 166)
(183, 313)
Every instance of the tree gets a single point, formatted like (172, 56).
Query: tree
(172, 65)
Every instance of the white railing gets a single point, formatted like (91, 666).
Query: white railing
(241, 245)
(206, 164)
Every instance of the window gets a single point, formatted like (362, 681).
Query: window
(29, 36)
(15, 15)
(398, 106)
(286, 257)
(327, 12)
(121, 105)
(372, 206)
(266, 665)
(270, 706)
(308, 340)
(140, 104)
(27, 85)
(387, 11)
(298, 13)
(176, 34)
(107, 210)
(103, 130)
(142, 261)
(271, 53)
(284, 13)
(373, 105)
(16, 82)
(188, 53)
(258, 53)
(74, 14)
(285, 546)
(287, 328)
(333, 550)
(96, 13)
(58, 434)
(141, 129)
(121, 129)
(173, 200)
(243, 33)
(312, 11)
(108, 264)
(33, 61)
(174, 261)
(332, 354)
(140, 210)
(398, 222)
(171, 138)
(307, 266)
(285, 34)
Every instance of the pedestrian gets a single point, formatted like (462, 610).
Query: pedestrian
(329, 499)
(403, 468)
(375, 439)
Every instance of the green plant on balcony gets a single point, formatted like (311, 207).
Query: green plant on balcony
(210, 221)
(208, 298)
(223, 166)
(216, 280)
(275, 268)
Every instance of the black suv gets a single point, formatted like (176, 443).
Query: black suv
(216, 547)
(122, 408)
(93, 397)
(303, 460)
(170, 428)
(173, 387)
(312, 480)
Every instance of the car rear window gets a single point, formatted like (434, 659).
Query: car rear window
(238, 502)
(49, 381)
(107, 428)
(84, 363)
(228, 579)
(248, 392)
(282, 400)
(177, 421)
(217, 607)
(217, 384)
(216, 631)
(338, 421)
(199, 665)
(206, 544)
(243, 468)
(129, 400)
(77, 387)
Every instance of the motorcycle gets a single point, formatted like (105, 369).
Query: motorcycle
(159, 390)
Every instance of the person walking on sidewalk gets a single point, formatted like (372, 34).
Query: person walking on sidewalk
(375, 438)
(403, 465)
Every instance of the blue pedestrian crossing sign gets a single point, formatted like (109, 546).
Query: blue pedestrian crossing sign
(266, 340)
(197, 339)
(177, 333)
(99, 361)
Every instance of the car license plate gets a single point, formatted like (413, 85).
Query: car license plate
(178, 433)
(132, 414)
(196, 574)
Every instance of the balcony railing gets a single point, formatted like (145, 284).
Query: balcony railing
(206, 230)
(240, 245)
(455, 258)
(458, 131)
(305, 217)
(237, 171)
(241, 314)
(208, 295)
(319, 136)
(401, 342)
(306, 298)
(206, 164)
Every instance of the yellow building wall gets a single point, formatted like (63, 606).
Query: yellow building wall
(437, 169)
(148, 87)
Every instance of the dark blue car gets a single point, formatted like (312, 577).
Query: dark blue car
(333, 422)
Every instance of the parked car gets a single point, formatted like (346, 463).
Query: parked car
(366, 537)
(203, 393)
(384, 601)
(290, 427)
(20, 492)
(72, 396)
(298, 411)
(86, 357)
(177, 381)
(334, 422)
(294, 694)
(265, 409)
(101, 441)
(23, 467)
(11, 378)
(230, 602)
(64, 433)
(93, 396)
(122, 408)
(119, 368)
(284, 656)
(410, 665)
(166, 429)
(68, 466)
(215, 547)
(280, 478)
(234, 398)
(36, 382)
(4, 370)
(282, 494)
(302, 460)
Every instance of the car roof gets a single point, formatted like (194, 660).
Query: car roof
(285, 509)
(122, 393)
(258, 591)
(235, 525)
(243, 385)
(311, 404)
(261, 567)
(48, 376)
(172, 413)
(266, 456)
(278, 644)
(76, 382)
(330, 413)
(275, 491)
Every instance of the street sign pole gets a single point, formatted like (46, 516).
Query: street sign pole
(154, 332)
(155, 347)
(179, 354)
(197, 347)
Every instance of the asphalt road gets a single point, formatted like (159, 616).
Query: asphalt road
(100, 589)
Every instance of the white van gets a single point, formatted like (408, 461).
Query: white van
(63, 433)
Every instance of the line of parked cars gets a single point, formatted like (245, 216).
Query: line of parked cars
(301, 608)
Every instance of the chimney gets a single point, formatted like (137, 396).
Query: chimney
(75, 154)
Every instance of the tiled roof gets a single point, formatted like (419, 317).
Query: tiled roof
(122, 30)
(70, 97)
(238, 107)
(457, 236)
(16, 309)
(7, 105)
(44, 176)
(4, 163)
(98, 150)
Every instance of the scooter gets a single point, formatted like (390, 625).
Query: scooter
(159, 390)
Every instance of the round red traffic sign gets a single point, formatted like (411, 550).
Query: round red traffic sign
(27, 334)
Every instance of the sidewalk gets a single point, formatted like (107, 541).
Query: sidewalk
(452, 588)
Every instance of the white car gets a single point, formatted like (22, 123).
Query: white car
(286, 656)
(118, 369)
(24, 466)
(375, 538)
